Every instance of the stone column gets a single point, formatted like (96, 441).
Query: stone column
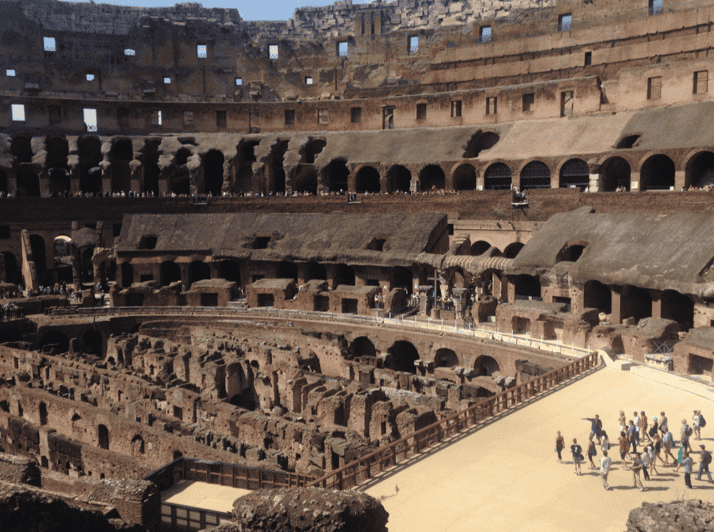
(425, 299)
(137, 176)
(44, 177)
(106, 168)
(679, 180)
(635, 184)
(460, 296)
(595, 182)
(510, 290)
(656, 296)
(617, 305)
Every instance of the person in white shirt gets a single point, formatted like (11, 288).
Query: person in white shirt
(605, 462)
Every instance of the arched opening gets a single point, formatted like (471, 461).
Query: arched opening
(213, 172)
(575, 173)
(274, 171)
(311, 149)
(402, 278)
(90, 173)
(198, 271)
(615, 174)
(21, 149)
(247, 400)
(639, 303)
(305, 179)
(570, 253)
(3, 181)
(445, 358)
(498, 176)
(229, 270)
(597, 295)
(63, 250)
(402, 356)
(150, 162)
(54, 340)
(628, 142)
(12, 272)
(127, 274)
(181, 157)
(177, 455)
(345, 275)
(335, 175)
(527, 286)
(43, 413)
(287, 270)
(512, 250)
(44, 462)
(363, 347)
(535, 174)
(86, 267)
(479, 248)
(37, 244)
(93, 343)
(367, 180)
(315, 271)
(701, 170)
(432, 178)
(483, 140)
(103, 437)
(56, 161)
(121, 154)
(486, 366)
(244, 165)
(399, 179)
(170, 273)
(28, 182)
(465, 177)
(137, 445)
(59, 181)
(657, 173)
(678, 307)
(182, 187)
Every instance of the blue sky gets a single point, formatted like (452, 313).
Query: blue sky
(249, 9)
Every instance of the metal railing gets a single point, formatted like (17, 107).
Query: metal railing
(179, 518)
(392, 454)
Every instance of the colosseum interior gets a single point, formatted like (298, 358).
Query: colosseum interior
(254, 253)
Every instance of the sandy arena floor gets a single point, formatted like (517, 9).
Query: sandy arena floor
(203, 495)
(505, 476)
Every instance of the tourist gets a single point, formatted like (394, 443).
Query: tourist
(650, 450)
(643, 424)
(654, 429)
(623, 422)
(684, 433)
(632, 435)
(637, 426)
(668, 443)
(646, 460)
(605, 443)
(595, 427)
(697, 425)
(624, 446)
(663, 427)
(577, 452)
(705, 458)
(657, 446)
(687, 462)
(592, 453)
(605, 463)
(559, 446)
(636, 468)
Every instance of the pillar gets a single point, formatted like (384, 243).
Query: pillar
(136, 183)
(635, 185)
(680, 180)
(656, 296)
(460, 296)
(44, 176)
(425, 299)
(595, 182)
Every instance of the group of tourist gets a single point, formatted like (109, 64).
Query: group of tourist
(10, 312)
(633, 433)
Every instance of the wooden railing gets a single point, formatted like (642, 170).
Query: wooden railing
(389, 455)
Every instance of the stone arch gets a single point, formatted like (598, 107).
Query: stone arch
(363, 347)
(212, 164)
(535, 174)
(657, 173)
(56, 163)
(402, 355)
(150, 162)
(479, 248)
(12, 272)
(335, 175)
(498, 176)
(21, 148)
(137, 445)
(305, 179)
(571, 252)
(127, 274)
(700, 169)
(446, 358)
(512, 250)
(464, 177)
(63, 253)
(678, 307)
(432, 177)
(486, 365)
(527, 286)
(402, 278)
(90, 156)
(274, 170)
(120, 155)
(56, 340)
(316, 270)
(597, 295)
(575, 173)
(399, 179)
(311, 149)
(244, 165)
(28, 181)
(287, 270)
(93, 343)
(103, 436)
(37, 244)
(170, 272)
(247, 399)
(230, 271)
(367, 180)
(198, 271)
(615, 173)
(345, 275)
(482, 140)
(639, 302)
(182, 156)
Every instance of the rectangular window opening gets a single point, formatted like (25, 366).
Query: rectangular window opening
(565, 22)
(343, 49)
(289, 117)
(654, 88)
(656, 7)
(588, 58)
(201, 51)
(50, 44)
(167, 81)
(90, 119)
(308, 80)
(491, 105)
(567, 102)
(129, 52)
(239, 82)
(455, 108)
(356, 115)
(10, 73)
(413, 43)
(188, 118)
(221, 118)
(323, 116)
(528, 101)
(421, 111)
(273, 51)
(18, 112)
(701, 82)
(90, 77)
(55, 112)
(485, 34)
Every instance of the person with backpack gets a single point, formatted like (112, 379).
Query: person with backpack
(592, 453)
(663, 426)
(705, 458)
(633, 436)
(684, 433)
(577, 452)
(687, 462)
(668, 444)
(699, 422)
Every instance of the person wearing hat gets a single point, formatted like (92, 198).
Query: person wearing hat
(705, 458)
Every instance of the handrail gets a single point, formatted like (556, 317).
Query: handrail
(367, 466)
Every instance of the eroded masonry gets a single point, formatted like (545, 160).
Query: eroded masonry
(252, 253)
